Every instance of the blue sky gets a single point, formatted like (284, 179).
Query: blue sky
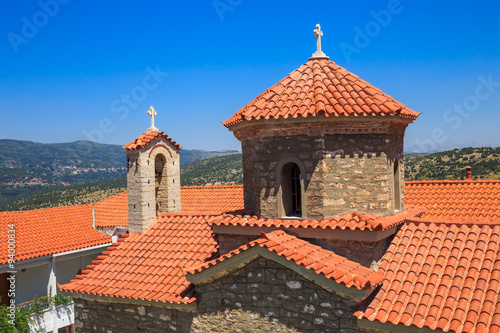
(77, 70)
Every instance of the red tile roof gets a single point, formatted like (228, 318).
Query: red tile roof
(149, 266)
(440, 276)
(112, 211)
(42, 232)
(321, 88)
(146, 138)
(456, 199)
(312, 257)
(354, 220)
(215, 199)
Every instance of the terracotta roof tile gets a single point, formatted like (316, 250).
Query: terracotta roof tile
(456, 199)
(146, 138)
(442, 276)
(354, 220)
(321, 88)
(213, 199)
(148, 266)
(42, 232)
(312, 257)
(112, 211)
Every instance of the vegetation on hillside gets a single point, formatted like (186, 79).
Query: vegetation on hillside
(485, 163)
(67, 195)
(213, 171)
(29, 167)
(226, 169)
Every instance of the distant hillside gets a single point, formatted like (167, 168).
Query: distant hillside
(485, 163)
(28, 167)
(67, 195)
(213, 171)
(225, 169)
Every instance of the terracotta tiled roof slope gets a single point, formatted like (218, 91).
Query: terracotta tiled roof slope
(216, 199)
(440, 276)
(321, 88)
(146, 138)
(354, 220)
(312, 257)
(456, 199)
(149, 266)
(42, 232)
(112, 211)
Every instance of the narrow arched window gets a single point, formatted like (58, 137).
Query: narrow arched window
(397, 186)
(159, 166)
(291, 190)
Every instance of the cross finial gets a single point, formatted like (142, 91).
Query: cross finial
(318, 54)
(152, 112)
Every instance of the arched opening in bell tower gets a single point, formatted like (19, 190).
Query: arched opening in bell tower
(160, 178)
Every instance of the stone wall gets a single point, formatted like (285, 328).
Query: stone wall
(266, 297)
(262, 296)
(142, 199)
(343, 171)
(106, 317)
(229, 242)
(363, 252)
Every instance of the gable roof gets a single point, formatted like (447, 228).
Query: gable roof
(149, 266)
(42, 232)
(440, 276)
(146, 138)
(312, 257)
(321, 88)
(456, 199)
(354, 220)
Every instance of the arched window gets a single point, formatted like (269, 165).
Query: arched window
(397, 186)
(160, 161)
(291, 188)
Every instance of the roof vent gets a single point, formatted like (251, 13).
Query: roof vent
(468, 172)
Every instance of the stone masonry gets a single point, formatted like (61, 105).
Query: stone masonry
(266, 297)
(114, 317)
(345, 168)
(143, 202)
(261, 297)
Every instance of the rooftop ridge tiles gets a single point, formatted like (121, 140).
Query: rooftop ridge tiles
(449, 222)
(145, 138)
(452, 181)
(275, 241)
(105, 237)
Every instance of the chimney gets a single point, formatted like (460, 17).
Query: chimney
(468, 172)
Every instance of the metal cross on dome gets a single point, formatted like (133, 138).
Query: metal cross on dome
(152, 112)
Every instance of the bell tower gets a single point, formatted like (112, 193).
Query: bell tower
(153, 177)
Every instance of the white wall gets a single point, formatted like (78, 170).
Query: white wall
(67, 269)
(31, 281)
